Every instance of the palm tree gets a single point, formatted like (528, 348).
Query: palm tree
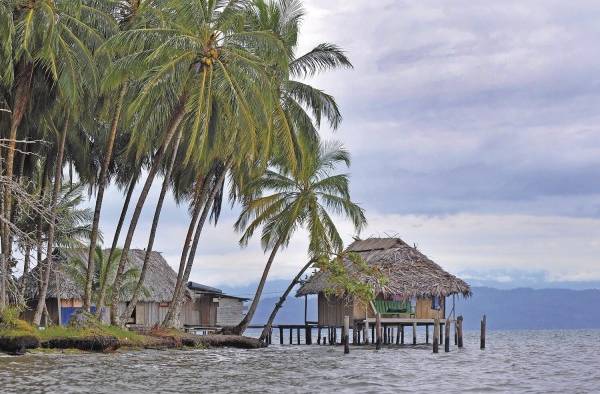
(163, 191)
(299, 199)
(288, 122)
(131, 14)
(104, 273)
(201, 62)
(54, 39)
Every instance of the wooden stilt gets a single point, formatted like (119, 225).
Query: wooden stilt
(482, 341)
(441, 333)
(298, 335)
(402, 335)
(346, 335)
(427, 334)
(447, 336)
(378, 331)
(291, 335)
(436, 334)
(398, 334)
(385, 335)
(318, 335)
(455, 332)
(281, 335)
(414, 333)
(459, 331)
(373, 339)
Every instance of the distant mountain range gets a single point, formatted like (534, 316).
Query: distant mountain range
(505, 308)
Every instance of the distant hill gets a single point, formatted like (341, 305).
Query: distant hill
(505, 309)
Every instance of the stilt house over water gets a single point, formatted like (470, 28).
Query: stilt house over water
(417, 288)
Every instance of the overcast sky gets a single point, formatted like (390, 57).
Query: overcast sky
(474, 133)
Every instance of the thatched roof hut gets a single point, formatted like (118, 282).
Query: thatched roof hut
(159, 283)
(410, 273)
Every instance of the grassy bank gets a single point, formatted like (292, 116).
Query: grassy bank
(21, 336)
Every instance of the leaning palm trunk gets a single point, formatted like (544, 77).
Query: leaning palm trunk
(100, 196)
(240, 328)
(159, 204)
(45, 273)
(176, 119)
(103, 287)
(184, 252)
(175, 308)
(267, 329)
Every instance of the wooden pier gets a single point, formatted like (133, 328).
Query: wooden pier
(378, 331)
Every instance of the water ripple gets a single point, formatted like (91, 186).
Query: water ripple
(515, 361)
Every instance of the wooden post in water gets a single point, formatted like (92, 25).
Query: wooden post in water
(482, 341)
(436, 334)
(447, 335)
(402, 335)
(291, 335)
(298, 335)
(378, 331)
(455, 332)
(281, 335)
(427, 334)
(414, 333)
(398, 334)
(441, 341)
(318, 335)
(385, 334)
(459, 331)
(346, 335)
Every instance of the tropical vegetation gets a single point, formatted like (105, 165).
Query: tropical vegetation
(211, 96)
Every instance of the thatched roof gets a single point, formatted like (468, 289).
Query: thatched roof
(409, 272)
(159, 283)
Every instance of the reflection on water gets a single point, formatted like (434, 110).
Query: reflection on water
(518, 361)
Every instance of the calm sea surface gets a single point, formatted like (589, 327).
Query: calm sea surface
(515, 361)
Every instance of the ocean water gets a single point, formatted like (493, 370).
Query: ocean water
(513, 362)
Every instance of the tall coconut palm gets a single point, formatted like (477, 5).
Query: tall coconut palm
(53, 38)
(299, 199)
(202, 60)
(131, 14)
(288, 123)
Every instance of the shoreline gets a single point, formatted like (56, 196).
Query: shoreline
(106, 339)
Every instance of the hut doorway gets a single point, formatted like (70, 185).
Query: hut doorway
(208, 311)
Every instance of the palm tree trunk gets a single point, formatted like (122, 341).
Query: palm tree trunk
(157, 211)
(37, 317)
(176, 119)
(100, 196)
(26, 268)
(198, 200)
(22, 95)
(174, 310)
(279, 304)
(240, 328)
(103, 286)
